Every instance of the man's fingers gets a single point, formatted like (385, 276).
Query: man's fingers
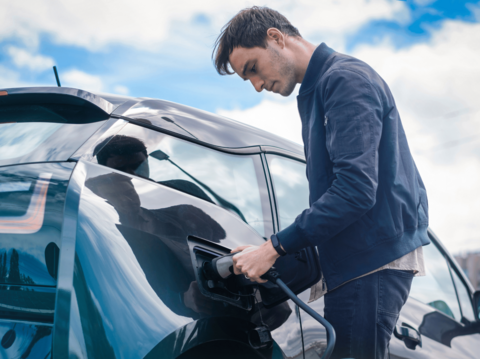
(238, 249)
(252, 262)
(236, 269)
(254, 277)
(258, 280)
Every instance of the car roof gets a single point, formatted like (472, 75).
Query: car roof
(187, 121)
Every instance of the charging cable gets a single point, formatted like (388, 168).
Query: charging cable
(274, 277)
(222, 267)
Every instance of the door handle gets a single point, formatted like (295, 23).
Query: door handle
(409, 335)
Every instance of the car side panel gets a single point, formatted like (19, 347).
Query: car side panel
(32, 200)
(433, 325)
(133, 281)
(25, 340)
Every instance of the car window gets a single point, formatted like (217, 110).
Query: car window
(463, 297)
(34, 133)
(32, 199)
(18, 139)
(436, 287)
(291, 188)
(234, 182)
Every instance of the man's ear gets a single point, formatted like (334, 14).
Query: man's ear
(276, 36)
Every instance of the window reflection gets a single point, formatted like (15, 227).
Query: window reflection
(291, 188)
(436, 288)
(233, 182)
(18, 139)
(123, 153)
(464, 298)
(140, 254)
(28, 142)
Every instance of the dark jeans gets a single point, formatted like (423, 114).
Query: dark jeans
(364, 313)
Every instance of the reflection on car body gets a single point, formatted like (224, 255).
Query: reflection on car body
(102, 199)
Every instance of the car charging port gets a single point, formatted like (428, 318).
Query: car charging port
(230, 290)
(215, 276)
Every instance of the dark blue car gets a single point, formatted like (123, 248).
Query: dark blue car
(109, 206)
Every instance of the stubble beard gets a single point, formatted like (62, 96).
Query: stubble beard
(286, 71)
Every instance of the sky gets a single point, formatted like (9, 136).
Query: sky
(427, 51)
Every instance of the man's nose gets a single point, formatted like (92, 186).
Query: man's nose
(257, 83)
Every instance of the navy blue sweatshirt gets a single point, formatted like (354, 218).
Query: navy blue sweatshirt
(368, 204)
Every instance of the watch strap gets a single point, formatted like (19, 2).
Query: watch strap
(277, 246)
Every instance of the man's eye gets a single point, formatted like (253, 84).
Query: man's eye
(253, 68)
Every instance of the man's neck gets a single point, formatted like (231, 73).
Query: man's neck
(303, 51)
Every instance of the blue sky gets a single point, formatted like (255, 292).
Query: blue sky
(426, 50)
(179, 68)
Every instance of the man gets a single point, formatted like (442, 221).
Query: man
(368, 212)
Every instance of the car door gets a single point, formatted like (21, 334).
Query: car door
(290, 187)
(34, 176)
(147, 197)
(31, 205)
(439, 312)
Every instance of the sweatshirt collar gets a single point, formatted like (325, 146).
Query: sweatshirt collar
(315, 67)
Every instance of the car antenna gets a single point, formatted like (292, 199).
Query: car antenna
(56, 76)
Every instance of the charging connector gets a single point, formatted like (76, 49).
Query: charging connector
(217, 270)
(228, 290)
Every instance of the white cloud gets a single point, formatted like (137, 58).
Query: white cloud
(145, 24)
(79, 79)
(121, 90)
(10, 78)
(331, 20)
(436, 89)
(453, 193)
(278, 117)
(25, 59)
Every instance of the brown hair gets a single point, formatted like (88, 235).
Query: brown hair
(248, 29)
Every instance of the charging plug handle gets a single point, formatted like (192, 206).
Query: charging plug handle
(219, 268)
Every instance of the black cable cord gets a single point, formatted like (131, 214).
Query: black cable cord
(331, 337)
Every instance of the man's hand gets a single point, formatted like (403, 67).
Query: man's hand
(254, 261)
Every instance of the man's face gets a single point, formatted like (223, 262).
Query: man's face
(270, 69)
(133, 163)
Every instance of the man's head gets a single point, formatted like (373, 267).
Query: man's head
(124, 153)
(255, 44)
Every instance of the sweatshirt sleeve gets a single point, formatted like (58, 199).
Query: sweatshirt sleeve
(353, 126)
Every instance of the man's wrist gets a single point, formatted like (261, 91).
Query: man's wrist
(272, 250)
(277, 245)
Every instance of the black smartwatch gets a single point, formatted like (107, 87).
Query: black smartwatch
(277, 246)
